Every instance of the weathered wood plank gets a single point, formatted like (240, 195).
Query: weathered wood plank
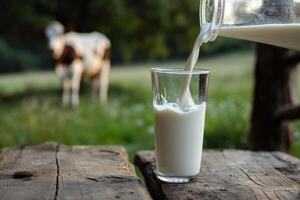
(89, 172)
(28, 172)
(230, 174)
(52, 171)
(288, 166)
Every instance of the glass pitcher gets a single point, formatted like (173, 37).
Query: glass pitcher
(275, 22)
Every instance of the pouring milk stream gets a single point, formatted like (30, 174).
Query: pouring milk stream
(186, 99)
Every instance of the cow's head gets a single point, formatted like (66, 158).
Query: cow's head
(54, 33)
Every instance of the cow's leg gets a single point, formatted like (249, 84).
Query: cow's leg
(66, 91)
(62, 72)
(96, 86)
(104, 80)
(76, 78)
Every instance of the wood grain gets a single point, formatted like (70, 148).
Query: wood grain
(53, 171)
(87, 172)
(230, 174)
(39, 161)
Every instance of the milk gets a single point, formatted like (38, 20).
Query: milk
(282, 35)
(178, 139)
(186, 99)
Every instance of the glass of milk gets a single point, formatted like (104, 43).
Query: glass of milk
(178, 129)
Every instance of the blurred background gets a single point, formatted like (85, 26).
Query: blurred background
(144, 34)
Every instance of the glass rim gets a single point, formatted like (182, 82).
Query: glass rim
(177, 70)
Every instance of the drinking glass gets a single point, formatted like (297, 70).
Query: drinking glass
(178, 129)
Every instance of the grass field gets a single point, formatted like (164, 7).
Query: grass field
(30, 109)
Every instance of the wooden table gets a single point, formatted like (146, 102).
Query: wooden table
(52, 171)
(230, 174)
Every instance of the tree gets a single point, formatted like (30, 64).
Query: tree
(275, 72)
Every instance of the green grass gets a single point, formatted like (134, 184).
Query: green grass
(30, 111)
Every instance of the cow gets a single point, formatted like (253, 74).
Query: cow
(75, 54)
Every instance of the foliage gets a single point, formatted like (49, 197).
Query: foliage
(139, 30)
(15, 59)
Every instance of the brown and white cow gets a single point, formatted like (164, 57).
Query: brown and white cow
(76, 54)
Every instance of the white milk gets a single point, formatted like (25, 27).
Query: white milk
(178, 139)
(282, 35)
(186, 99)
